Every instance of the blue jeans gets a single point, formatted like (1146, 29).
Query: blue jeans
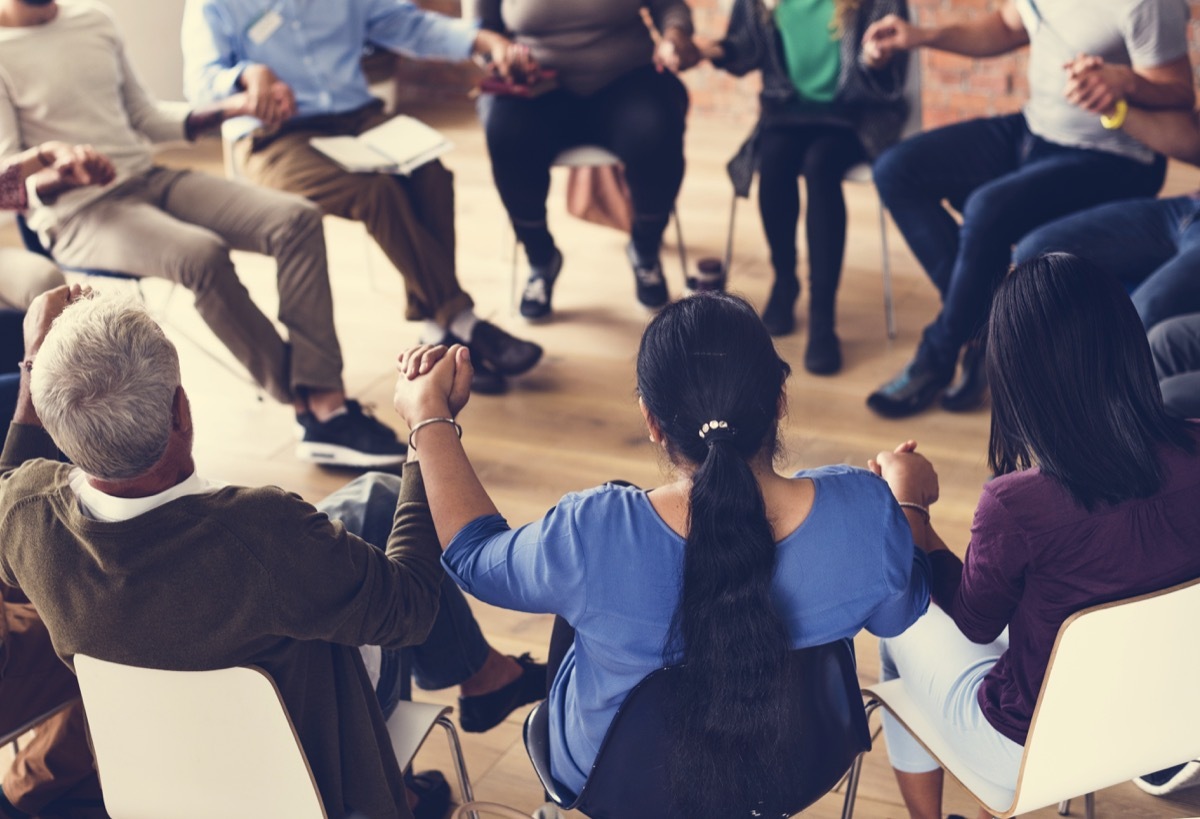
(1005, 181)
(1175, 345)
(455, 648)
(1151, 245)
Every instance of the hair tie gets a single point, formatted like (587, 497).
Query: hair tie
(713, 431)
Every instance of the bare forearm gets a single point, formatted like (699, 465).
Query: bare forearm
(1174, 133)
(204, 118)
(25, 413)
(926, 539)
(990, 36)
(456, 497)
(1174, 94)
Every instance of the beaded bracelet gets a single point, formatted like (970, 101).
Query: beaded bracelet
(412, 433)
(924, 510)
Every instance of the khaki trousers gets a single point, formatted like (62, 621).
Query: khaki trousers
(24, 276)
(53, 774)
(181, 226)
(411, 217)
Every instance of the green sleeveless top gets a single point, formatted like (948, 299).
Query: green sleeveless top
(811, 50)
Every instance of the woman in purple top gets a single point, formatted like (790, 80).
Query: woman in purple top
(1094, 501)
(726, 568)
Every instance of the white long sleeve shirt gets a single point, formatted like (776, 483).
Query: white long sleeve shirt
(70, 80)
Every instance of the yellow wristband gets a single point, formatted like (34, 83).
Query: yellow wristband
(1116, 119)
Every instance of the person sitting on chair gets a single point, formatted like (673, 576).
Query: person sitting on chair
(615, 89)
(1094, 501)
(724, 569)
(53, 774)
(822, 112)
(1007, 175)
(181, 225)
(131, 556)
(301, 64)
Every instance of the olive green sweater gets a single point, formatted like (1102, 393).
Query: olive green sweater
(236, 576)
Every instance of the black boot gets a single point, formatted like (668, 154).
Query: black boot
(780, 313)
(823, 356)
(968, 391)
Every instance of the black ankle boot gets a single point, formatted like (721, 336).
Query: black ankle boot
(968, 391)
(780, 313)
(823, 356)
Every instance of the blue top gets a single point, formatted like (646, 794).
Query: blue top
(315, 46)
(606, 562)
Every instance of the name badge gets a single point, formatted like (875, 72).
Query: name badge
(266, 25)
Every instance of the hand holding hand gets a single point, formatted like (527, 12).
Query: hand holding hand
(910, 476)
(45, 309)
(434, 382)
(1097, 86)
(885, 37)
(267, 97)
(675, 51)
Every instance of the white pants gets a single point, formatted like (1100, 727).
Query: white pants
(942, 671)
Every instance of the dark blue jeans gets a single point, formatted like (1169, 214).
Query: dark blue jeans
(1151, 245)
(1005, 182)
(12, 350)
(455, 648)
(1175, 345)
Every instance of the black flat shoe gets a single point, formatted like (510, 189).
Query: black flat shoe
(432, 792)
(485, 711)
(779, 317)
(968, 391)
(911, 391)
(504, 352)
(823, 356)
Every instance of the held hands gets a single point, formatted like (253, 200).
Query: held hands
(266, 97)
(1096, 86)
(675, 51)
(885, 37)
(71, 166)
(434, 382)
(45, 309)
(910, 476)
(504, 58)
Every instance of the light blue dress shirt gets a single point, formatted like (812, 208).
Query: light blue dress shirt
(315, 46)
(608, 564)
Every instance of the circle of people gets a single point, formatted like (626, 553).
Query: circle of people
(1039, 229)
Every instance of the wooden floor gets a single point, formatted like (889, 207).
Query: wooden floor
(573, 423)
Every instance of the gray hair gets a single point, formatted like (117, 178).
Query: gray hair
(104, 386)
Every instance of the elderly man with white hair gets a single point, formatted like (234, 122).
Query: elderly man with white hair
(131, 556)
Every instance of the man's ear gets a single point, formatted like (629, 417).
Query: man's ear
(181, 411)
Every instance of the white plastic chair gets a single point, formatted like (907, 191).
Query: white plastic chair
(1112, 706)
(591, 156)
(200, 744)
(861, 174)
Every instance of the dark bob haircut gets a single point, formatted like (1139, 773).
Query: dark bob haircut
(1073, 386)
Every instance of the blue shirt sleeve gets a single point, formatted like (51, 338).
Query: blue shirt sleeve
(907, 574)
(400, 26)
(537, 568)
(212, 66)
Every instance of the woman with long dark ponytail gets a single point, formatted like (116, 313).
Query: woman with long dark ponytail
(724, 570)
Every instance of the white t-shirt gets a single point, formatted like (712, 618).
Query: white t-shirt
(1141, 33)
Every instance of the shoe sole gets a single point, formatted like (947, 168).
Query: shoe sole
(334, 455)
(1188, 777)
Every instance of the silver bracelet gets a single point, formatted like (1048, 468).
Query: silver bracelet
(412, 432)
(924, 510)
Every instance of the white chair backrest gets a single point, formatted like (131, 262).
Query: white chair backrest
(1115, 701)
(194, 744)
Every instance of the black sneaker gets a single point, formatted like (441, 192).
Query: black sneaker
(485, 380)
(651, 286)
(485, 711)
(969, 390)
(507, 354)
(914, 389)
(535, 301)
(352, 439)
(432, 792)
(1169, 780)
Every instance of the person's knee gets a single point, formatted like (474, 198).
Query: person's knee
(25, 277)
(890, 173)
(204, 263)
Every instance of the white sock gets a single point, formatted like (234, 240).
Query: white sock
(339, 411)
(431, 332)
(463, 325)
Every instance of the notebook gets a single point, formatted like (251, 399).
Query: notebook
(400, 145)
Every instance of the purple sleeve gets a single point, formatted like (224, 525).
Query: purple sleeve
(12, 189)
(982, 593)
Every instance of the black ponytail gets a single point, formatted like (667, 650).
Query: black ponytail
(706, 364)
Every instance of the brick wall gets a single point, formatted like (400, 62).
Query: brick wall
(953, 88)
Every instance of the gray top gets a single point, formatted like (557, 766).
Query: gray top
(1142, 33)
(589, 42)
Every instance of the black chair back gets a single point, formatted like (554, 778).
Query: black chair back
(826, 733)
